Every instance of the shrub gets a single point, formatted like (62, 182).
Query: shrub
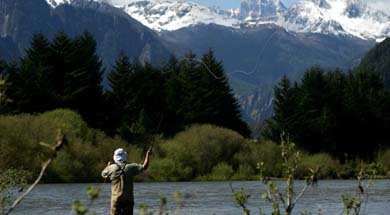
(221, 172)
(383, 158)
(244, 172)
(349, 169)
(81, 160)
(267, 152)
(168, 170)
(327, 166)
(201, 147)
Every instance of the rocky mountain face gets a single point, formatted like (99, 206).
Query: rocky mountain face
(172, 15)
(337, 17)
(258, 43)
(332, 17)
(256, 58)
(113, 29)
(252, 10)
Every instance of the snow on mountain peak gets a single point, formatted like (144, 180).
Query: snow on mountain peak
(348, 17)
(172, 15)
(335, 17)
(55, 3)
(166, 14)
(260, 9)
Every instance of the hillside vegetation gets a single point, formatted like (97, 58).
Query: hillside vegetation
(201, 152)
(187, 110)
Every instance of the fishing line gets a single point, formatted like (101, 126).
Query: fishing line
(254, 70)
(259, 59)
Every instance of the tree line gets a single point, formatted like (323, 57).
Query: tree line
(345, 114)
(140, 99)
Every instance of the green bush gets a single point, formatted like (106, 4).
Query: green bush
(221, 172)
(82, 159)
(264, 151)
(244, 172)
(201, 147)
(383, 158)
(168, 170)
(326, 165)
(349, 169)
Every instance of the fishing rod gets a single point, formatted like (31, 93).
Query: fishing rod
(154, 140)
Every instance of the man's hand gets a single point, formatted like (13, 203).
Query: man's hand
(150, 150)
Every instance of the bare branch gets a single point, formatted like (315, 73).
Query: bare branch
(60, 142)
(300, 194)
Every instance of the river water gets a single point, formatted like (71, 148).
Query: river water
(203, 198)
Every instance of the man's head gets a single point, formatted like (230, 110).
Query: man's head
(120, 156)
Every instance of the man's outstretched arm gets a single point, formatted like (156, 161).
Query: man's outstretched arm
(146, 161)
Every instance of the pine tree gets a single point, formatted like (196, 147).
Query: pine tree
(174, 87)
(61, 56)
(377, 61)
(207, 97)
(119, 95)
(4, 85)
(333, 112)
(192, 89)
(138, 92)
(221, 106)
(83, 82)
(31, 89)
(285, 111)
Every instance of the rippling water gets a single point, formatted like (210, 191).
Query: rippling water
(202, 198)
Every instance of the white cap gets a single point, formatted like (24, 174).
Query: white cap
(120, 156)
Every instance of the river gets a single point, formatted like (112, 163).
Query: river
(203, 198)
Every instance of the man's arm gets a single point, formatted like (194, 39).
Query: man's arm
(146, 161)
(106, 172)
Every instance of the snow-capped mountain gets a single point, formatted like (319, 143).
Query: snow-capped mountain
(55, 3)
(172, 15)
(338, 17)
(332, 17)
(261, 9)
(167, 14)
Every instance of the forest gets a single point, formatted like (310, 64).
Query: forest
(338, 119)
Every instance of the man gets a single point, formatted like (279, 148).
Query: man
(121, 175)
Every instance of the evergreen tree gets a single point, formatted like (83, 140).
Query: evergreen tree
(4, 85)
(83, 82)
(119, 95)
(378, 60)
(313, 116)
(192, 90)
(65, 73)
(285, 111)
(207, 97)
(221, 107)
(61, 56)
(174, 87)
(333, 112)
(138, 92)
(365, 125)
(31, 89)
(149, 96)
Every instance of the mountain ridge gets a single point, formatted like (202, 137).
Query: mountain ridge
(262, 52)
(338, 17)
